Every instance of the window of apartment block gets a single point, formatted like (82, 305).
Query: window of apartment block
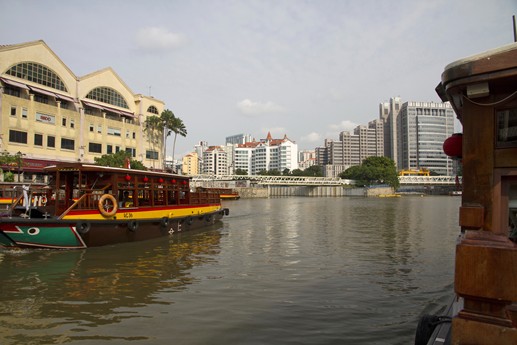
(131, 151)
(67, 144)
(72, 124)
(13, 111)
(99, 129)
(114, 131)
(24, 113)
(13, 91)
(17, 137)
(109, 149)
(151, 154)
(95, 148)
(134, 135)
(40, 98)
(38, 140)
(91, 127)
(63, 122)
(51, 141)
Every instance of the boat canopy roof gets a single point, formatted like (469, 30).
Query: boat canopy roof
(109, 170)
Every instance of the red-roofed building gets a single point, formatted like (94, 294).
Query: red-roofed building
(266, 154)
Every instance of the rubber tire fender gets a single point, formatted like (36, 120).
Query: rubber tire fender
(132, 225)
(83, 228)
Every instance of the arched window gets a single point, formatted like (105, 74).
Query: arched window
(37, 73)
(107, 95)
(152, 109)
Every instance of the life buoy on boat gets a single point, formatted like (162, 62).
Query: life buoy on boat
(43, 200)
(108, 205)
(132, 225)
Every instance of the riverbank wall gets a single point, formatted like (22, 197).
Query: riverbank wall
(309, 191)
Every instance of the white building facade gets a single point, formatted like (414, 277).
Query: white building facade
(266, 155)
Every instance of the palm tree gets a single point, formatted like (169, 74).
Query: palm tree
(153, 127)
(172, 124)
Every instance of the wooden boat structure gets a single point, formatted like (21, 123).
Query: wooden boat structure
(87, 205)
(482, 89)
(224, 193)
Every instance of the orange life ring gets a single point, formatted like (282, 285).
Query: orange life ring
(105, 208)
(43, 200)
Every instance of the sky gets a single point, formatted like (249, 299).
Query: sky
(305, 69)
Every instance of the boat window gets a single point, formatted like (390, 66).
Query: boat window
(506, 128)
(159, 197)
(512, 211)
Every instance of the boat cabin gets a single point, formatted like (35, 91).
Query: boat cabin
(482, 89)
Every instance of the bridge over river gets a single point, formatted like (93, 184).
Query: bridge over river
(318, 181)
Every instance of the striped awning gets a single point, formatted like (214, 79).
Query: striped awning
(106, 108)
(14, 83)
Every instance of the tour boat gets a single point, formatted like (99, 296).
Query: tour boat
(87, 205)
(482, 89)
(224, 193)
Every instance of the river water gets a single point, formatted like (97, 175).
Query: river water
(276, 271)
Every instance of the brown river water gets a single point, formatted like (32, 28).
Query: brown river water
(294, 270)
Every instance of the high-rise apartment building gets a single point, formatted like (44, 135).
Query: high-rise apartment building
(424, 126)
(215, 161)
(238, 139)
(389, 114)
(306, 158)
(190, 164)
(351, 149)
(414, 133)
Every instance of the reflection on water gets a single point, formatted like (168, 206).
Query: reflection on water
(276, 271)
(43, 290)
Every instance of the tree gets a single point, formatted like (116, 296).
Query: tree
(118, 159)
(154, 128)
(373, 170)
(313, 170)
(171, 124)
(241, 172)
(15, 160)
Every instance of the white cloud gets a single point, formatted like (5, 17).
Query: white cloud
(276, 132)
(343, 126)
(248, 107)
(154, 38)
(312, 137)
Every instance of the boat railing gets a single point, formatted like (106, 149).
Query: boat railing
(89, 200)
(74, 205)
(204, 197)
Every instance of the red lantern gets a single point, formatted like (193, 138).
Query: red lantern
(184, 182)
(173, 181)
(127, 177)
(453, 146)
(146, 179)
(160, 180)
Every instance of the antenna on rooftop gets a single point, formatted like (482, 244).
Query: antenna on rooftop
(514, 30)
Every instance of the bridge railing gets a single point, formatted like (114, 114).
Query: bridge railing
(430, 180)
(276, 180)
(322, 181)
